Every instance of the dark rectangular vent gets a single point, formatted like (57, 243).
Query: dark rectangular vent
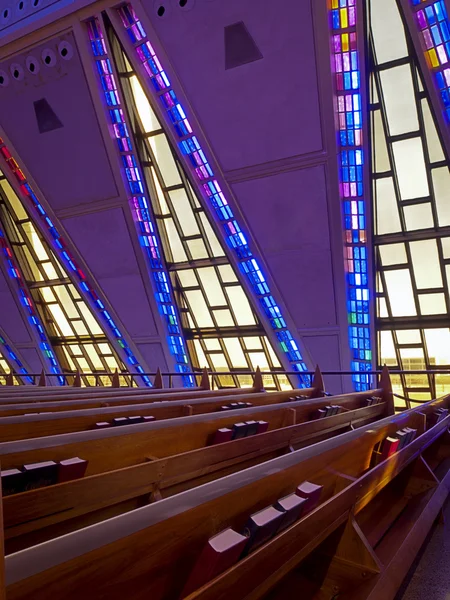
(45, 116)
(240, 47)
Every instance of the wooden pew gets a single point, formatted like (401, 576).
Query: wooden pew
(214, 399)
(150, 552)
(21, 427)
(182, 457)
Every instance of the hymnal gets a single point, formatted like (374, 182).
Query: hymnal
(219, 554)
(261, 526)
(120, 421)
(225, 407)
(103, 425)
(389, 447)
(135, 419)
(72, 468)
(252, 428)
(40, 474)
(149, 418)
(402, 436)
(13, 482)
(311, 492)
(292, 507)
(222, 435)
(321, 413)
(263, 426)
(239, 430)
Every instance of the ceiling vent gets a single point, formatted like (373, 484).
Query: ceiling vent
(240, 47)
(46, 117)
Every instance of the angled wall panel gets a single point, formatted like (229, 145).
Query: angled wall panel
(72, 169)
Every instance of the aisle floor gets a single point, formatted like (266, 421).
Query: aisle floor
(431, 577)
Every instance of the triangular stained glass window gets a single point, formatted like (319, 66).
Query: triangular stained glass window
(75, 334)
(221, 328)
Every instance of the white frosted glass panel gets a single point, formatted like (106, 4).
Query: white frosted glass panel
(393, 254)
(174, 242)
(199, 308)
(425, 258)
(410, 166)
(433, 143)
(387, 348)
(66, 301)
(197, 248)
(212, 344)
(216, 248)
(183, 210)
(14, 201)
(379, 148)
(93, 356)
(212, 286)
(235, 353)
(388, 220)
(36, 243)
(90, 321)
(399, 290)
(441, 186)
(418, 216)
(438, 345)
(382, 308)
(259, 359)
(399, 100)
(219, 361)
(240, 306)
(432, 304)
(60, 320)
(147, 116)
(164, 159)
(187, 278)
(227, 274)
(252, 343)
(387, 30)
(202, 362)
(223, 317)
(446, 247)
(408, 336)
(273, 356)
(163, 206)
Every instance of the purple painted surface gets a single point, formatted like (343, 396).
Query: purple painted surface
(273, 100)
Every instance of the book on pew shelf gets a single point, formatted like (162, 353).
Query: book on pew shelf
(320, 413)
(301, 398)
(234, 406)
(336, 409)
(252, 427)
(13, 481)
(222, 435)
(220, 553)
(40, 474)
(402, 436)
(411, 433)
(103, 425)
(248, 404)
(292, 507)
(261, 526)
(329, 411)
(118, 421)
(311, 492)
(263, 426)
(389, 447)
(71, 468)
(225, 407)
(239, 430)
(242, 404)
(149, 418)
(135, 419)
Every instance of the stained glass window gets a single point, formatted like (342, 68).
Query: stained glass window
(347, 80)
(70, 330)
(203, 174)
(410, 198)
(219, 324)
(30, 202)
